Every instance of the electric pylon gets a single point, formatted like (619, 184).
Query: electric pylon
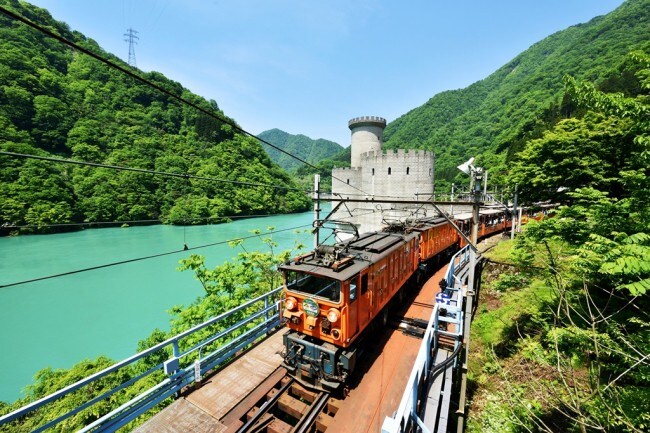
(131, 36)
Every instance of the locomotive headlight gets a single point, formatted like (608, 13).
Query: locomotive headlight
(291, 303)
(333, 315)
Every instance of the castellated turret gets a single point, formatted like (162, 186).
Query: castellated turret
(381, 174)
(367, 136)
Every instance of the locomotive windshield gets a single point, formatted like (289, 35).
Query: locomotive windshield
(313, 285)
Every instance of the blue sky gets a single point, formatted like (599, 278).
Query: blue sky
(308, 67)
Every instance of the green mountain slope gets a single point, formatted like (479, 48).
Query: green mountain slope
(307, 149)
(493, 114)
(55, 101)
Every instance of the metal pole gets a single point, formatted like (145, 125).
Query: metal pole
(433, 177)
(476, 193)
(316, 208)
(451, 209)
(514, 215)
(485, 186)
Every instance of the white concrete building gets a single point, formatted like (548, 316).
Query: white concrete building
(380, 174)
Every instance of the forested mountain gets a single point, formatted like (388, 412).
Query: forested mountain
(59, 102)
(499, 113)
(307, 149)
(561, 340)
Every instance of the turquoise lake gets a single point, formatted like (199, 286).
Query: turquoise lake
(60, 321)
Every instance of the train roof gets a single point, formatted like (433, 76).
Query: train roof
(424, 224)
(344, 260)
(468, 215)
(463, 216)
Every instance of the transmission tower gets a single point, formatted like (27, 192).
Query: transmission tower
(131, 36)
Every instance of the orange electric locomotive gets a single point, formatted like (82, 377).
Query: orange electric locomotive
(334, 292)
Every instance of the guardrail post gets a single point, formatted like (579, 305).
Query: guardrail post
(414, 396)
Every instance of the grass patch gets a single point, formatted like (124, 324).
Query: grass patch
(501, 252)
(488, 327)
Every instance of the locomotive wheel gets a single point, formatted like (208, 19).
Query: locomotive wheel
(384, 317)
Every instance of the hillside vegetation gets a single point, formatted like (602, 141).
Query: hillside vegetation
(514, 103)
(55, 101)
(305, 148)
(561, 343)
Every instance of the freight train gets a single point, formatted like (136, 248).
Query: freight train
(333, 293)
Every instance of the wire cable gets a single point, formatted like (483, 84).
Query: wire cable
(147, 171)
(114, 223)
(153, 256)
(161, 89)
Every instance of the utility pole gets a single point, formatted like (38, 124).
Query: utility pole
(316, 209)
(131, 36)
(485, 186)
(514, 216)
(477, 175)
(451, 209)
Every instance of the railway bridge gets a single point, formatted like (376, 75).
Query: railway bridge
(411, 379)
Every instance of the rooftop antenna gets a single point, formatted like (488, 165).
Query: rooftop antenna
(131, 36)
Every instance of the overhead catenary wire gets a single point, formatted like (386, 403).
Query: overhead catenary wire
(148, 171)
(153, 256)
(161, 89)
(190, 221)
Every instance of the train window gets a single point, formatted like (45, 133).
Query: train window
(314, 285)
(353, 290)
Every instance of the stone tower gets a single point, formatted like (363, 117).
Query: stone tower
(367, 136)
(380, 174)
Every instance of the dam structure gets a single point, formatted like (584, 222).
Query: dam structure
(376, 173)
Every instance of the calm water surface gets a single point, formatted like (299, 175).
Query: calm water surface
(61, 321)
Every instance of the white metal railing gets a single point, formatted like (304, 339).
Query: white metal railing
(262, 316)
(406, 417)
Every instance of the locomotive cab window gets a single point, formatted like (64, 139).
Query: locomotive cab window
(353, 290)
(313, 285)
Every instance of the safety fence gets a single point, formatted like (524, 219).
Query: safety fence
(185, 362)
(447, 311)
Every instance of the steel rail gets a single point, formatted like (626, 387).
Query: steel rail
(266, 406)
(315, 409)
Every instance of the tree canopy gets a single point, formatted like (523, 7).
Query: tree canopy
(55, 101)
(307, 149)
(576, 359)
(492, 118)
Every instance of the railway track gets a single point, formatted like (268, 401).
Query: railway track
(283, 405)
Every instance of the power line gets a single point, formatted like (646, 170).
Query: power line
(147, 171)
(114, 223)
(122, 262)
(152, 84)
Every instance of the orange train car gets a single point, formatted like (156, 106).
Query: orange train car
(436, 236)
(490, 221)
(333, 293)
